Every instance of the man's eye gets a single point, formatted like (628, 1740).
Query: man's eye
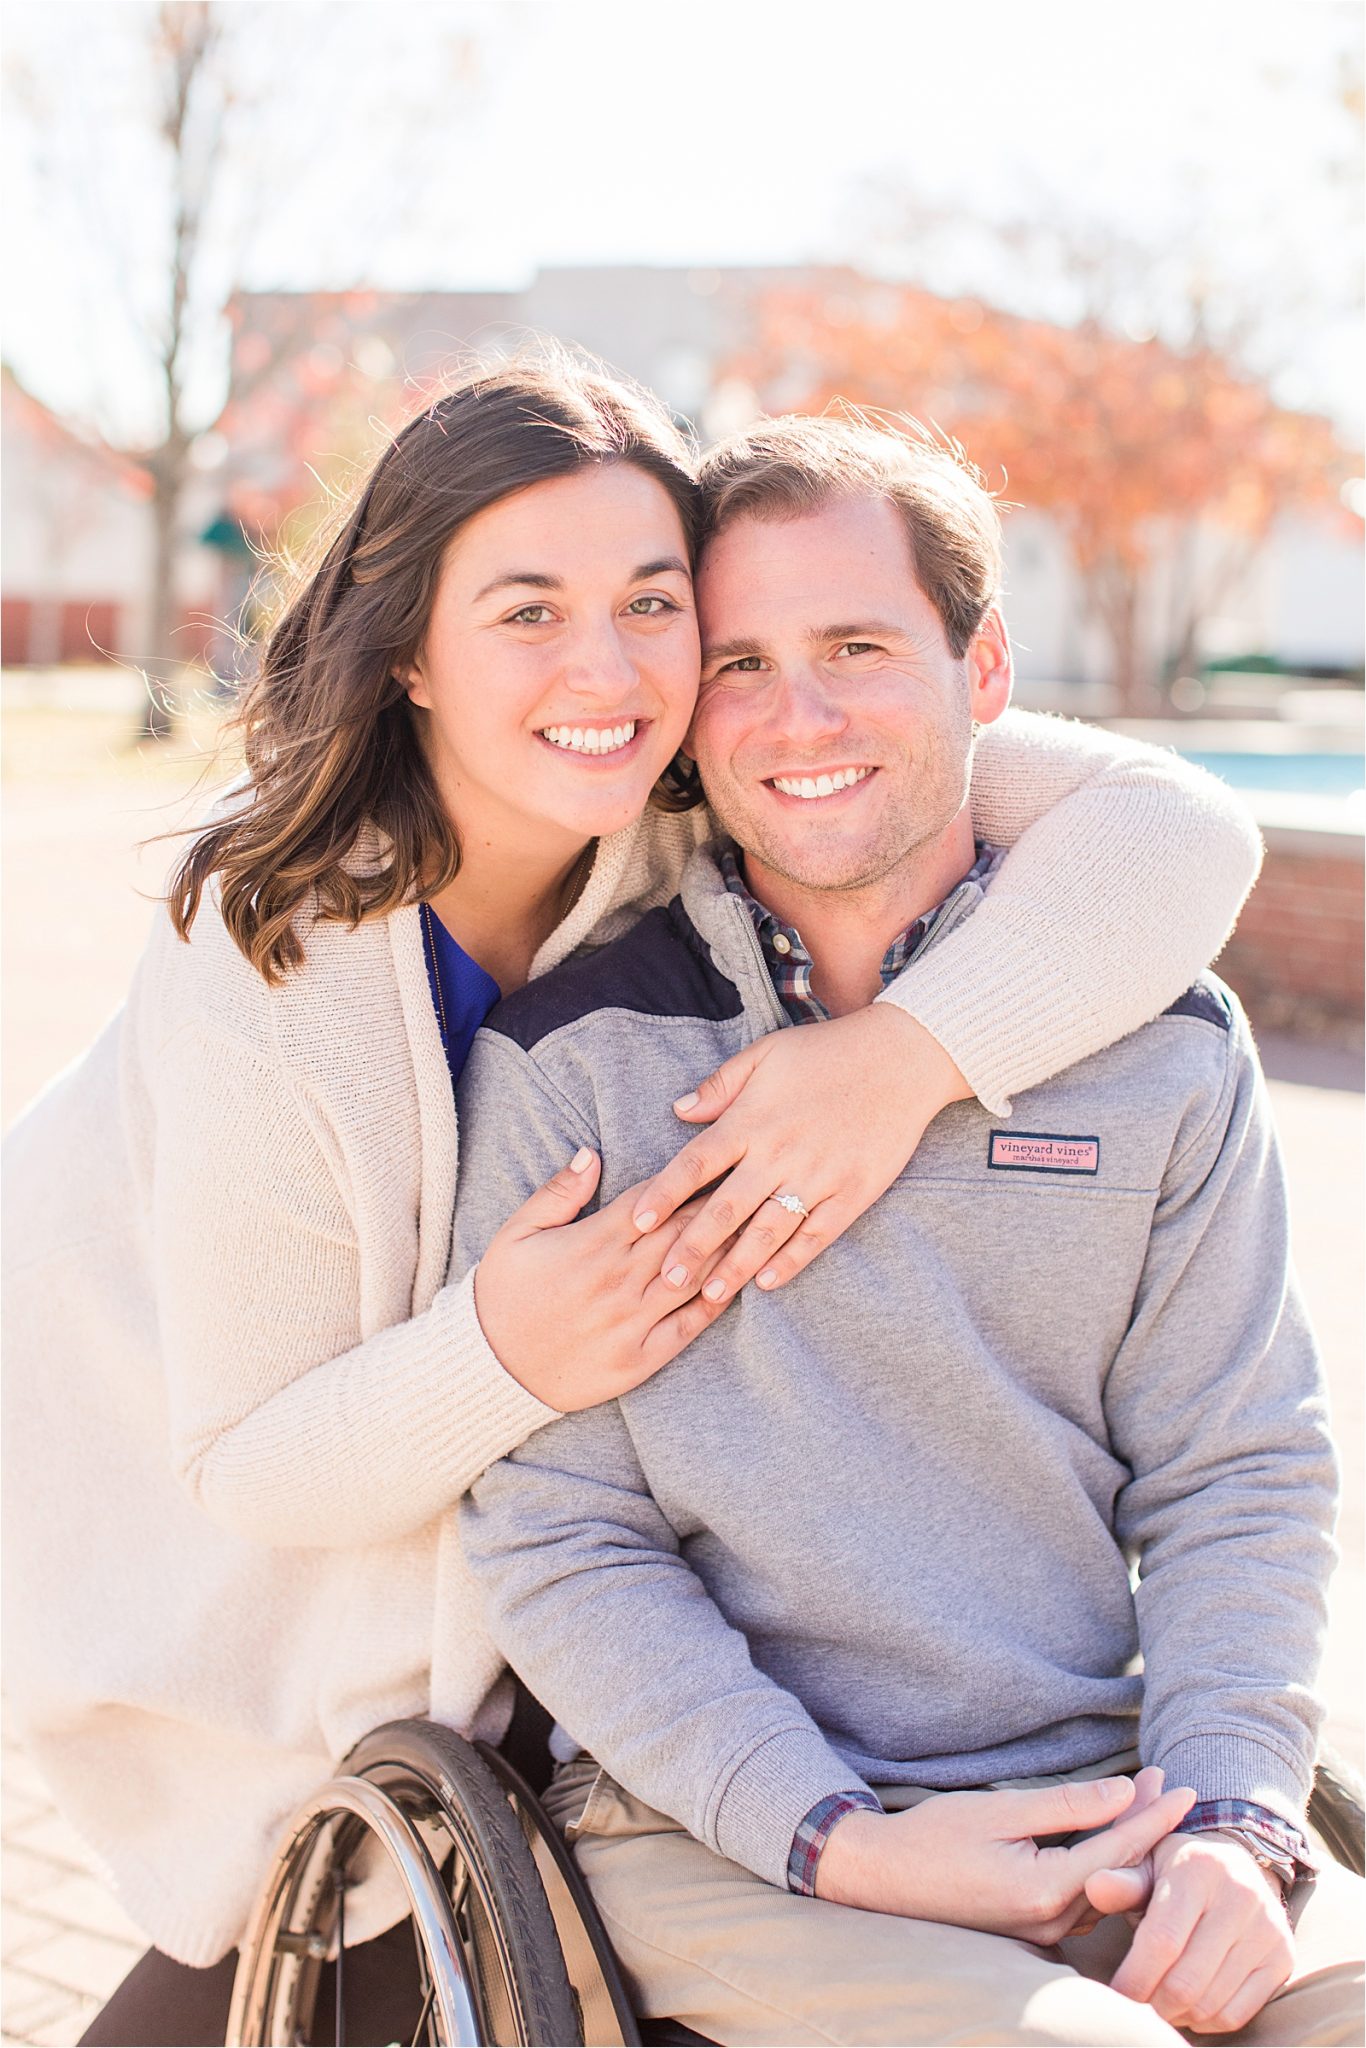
(651, 607)
(857, 647)
(748, 665)
(531, 615)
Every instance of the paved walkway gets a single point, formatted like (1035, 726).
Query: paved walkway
(66, 1942)
(73, 925)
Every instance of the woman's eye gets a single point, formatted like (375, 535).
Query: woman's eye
(651, 607)
(531, 615)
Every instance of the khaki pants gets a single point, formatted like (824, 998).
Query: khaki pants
(706, 1943)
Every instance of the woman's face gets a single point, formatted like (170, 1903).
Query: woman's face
(560, 663)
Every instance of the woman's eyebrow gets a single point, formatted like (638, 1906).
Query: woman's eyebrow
(533, 579)
(662, 567)
(528, 577)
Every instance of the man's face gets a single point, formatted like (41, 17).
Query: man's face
(833, 729)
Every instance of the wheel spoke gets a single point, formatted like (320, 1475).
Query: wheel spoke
(422, 2031)
(460, 1905)
(339, 2013)
(483, 1957)
(461, 1891)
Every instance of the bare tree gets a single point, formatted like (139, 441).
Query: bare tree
(185, 45)
(132, 143)
(182, 148)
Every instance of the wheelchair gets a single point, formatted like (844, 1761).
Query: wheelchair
(508, 1948)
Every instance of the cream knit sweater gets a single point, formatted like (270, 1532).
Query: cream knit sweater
(241, 1396)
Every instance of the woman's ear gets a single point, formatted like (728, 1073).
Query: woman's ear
(415, 683)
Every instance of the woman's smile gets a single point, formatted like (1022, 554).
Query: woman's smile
(598, 744)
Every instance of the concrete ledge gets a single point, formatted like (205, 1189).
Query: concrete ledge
(1335, 840)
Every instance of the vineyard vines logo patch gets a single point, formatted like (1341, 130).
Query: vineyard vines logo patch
(1042, 1152)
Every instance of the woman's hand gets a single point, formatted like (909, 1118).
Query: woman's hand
(578, 1312)
(828, 1112)
(969, 1858)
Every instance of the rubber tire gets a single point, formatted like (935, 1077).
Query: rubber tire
(504, 1872)
(1336, 1813)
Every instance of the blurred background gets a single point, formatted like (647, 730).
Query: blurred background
(1118, 257)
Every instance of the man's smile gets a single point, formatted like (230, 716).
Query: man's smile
(823, 785)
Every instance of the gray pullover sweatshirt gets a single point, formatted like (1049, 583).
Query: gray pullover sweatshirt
(883, 1525)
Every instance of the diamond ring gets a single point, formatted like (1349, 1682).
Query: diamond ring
(793, 1204)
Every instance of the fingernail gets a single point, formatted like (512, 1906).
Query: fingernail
(676, 1275)
(646, 1220)
(714, 1289)
(768, 1278)
(582, 1158)
(686, 1102)
(1112, 1787)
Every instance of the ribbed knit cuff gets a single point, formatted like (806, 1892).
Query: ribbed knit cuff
(1229, 1766)
(484, 1412)
(1004, 1013)
(768, 1795)
(372, 1444)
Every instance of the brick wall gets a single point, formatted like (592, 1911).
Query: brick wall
(43, 632)
(1296, 958)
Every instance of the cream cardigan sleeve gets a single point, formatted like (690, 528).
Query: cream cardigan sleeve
(288, 1425)
(1129, 871)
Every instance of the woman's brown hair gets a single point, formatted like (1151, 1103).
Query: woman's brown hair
(330, 742)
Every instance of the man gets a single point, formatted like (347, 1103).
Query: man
(870, 1541)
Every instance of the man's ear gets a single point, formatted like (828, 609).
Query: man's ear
(990, 672)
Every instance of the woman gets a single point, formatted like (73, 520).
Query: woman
(242, 1391)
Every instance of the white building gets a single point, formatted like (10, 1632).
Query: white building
(77, 546)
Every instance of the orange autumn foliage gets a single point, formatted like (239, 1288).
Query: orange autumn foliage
(1130, 445)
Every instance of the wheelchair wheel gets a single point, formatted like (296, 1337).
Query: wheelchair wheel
(488, 1960)
(1335, 1812)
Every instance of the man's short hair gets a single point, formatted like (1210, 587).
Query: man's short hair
(786, 468)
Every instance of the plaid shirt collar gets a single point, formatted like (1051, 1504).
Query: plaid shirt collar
(790, 964)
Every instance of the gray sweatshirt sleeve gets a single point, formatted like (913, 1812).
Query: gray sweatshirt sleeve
(1216, 1403)
(588, 1596)
(585, 1589)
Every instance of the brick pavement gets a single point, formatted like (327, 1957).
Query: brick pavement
(65, 1941)
(66, 1944)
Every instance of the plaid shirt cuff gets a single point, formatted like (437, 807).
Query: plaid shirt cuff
(1275, 1840)
(814, 1832)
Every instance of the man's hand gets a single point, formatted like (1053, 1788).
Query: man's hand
(969, 1858)
(1214, 1942)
